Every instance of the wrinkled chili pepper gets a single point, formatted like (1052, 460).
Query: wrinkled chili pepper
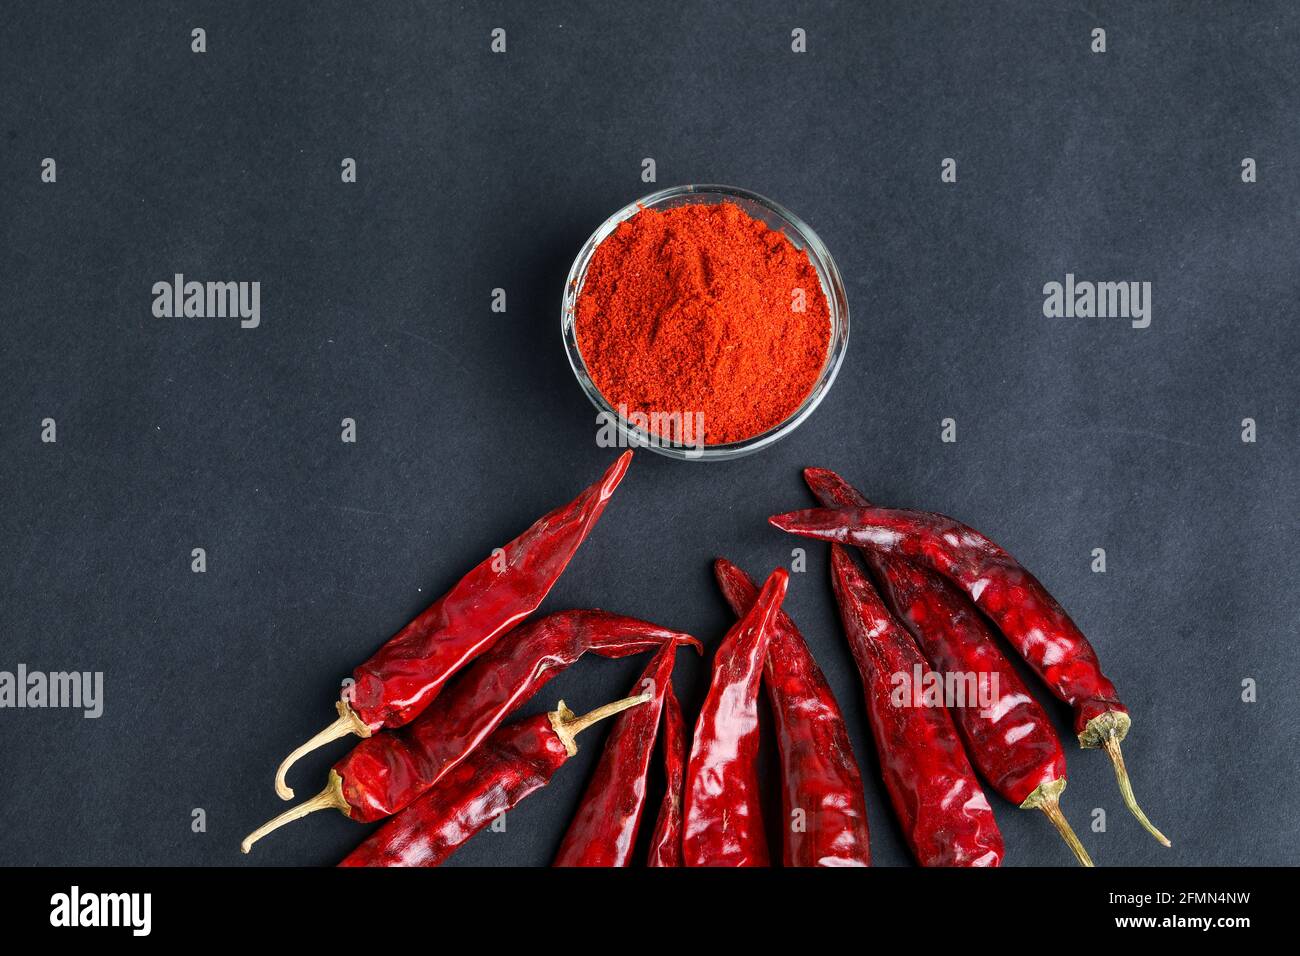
(385, 773)
(723, 822)
(945, 816)
(666, 842)
(1009, 737)
(409, 671)
(825, 811)
(603, 831)
(515, 761)
(1032, 620)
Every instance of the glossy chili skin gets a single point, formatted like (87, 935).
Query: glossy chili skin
(723, 822)
(1035, 624)
(1013, 744)
(385, 773)
(604, 829)
(515, 761)
(819, 774)
(409, 671)
(666, 842)
(944, 814)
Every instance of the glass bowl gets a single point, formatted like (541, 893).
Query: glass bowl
(776, 217)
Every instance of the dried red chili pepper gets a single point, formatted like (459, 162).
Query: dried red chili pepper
(666, 843)
(820, 779)
(385, 773)
(1010, 739)
(515, 761)
(723, 817)
(1026, 613)
(603, 831)
(945, 816)
(409, 671)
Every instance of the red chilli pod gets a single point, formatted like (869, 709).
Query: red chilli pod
(409, 671)
(666, 843)
(945, 816)
(723, 822)
(825, 812)
(603, 831)
(385, 773)
(1032, 620)
(1008, 735)
(511, 764)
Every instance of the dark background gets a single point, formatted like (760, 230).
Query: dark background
(479, 170)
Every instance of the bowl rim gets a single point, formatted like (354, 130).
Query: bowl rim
(823, 264)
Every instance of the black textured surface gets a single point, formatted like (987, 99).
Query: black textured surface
(479, 171)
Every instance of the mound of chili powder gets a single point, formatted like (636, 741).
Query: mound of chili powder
(703, 309)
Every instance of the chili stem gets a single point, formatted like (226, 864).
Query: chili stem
(567, 726)
(348, 723)
(329, 798)
(1053, 811)
(1111, 743)
(1047, 797)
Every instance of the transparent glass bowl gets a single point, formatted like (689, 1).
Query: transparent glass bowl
(776, 217)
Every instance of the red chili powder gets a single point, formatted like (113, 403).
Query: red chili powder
(703, 309)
